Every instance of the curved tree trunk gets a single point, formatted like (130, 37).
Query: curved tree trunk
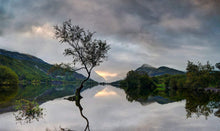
(77, 101)
(78, 90)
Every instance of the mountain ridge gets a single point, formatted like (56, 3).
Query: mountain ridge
(30, 68)
(153, 71)
(20, 56)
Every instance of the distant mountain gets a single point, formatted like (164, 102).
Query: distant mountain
(152, 71)
(31, 68)
(94, 76)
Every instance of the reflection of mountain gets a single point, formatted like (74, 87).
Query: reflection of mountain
(146, 97)
(197, 103)
(31, 68)
(94, 76)
(40, 93)
(152, 71)
(158, 99)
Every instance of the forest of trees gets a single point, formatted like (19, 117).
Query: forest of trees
(7, 76)
(197, 76)
(137, 85)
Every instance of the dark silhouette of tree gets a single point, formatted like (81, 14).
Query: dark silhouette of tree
(85, 50)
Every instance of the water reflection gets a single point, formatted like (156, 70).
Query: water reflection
(107, 108)
(39, 93)
(105, 92)
(201, 103)
(198, 103)
(77, 100)
(7, 95)
(81, 113)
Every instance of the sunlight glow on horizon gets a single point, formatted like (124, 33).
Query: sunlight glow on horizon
(105, 75)
(105, 92)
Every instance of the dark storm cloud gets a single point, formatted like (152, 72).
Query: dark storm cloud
(5, 16)
(122, 18)
(161, 32)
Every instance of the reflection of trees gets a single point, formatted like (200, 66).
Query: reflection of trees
(135, 95)
(7, 93)
(81, 109)
(77, 100)
(197, 102)
(217, 113)
(201, 104)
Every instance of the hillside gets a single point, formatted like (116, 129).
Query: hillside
(152, 71)
(31, 68)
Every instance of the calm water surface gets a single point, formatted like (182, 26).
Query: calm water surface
(107, 109)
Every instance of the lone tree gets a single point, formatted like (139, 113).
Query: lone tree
(85, 50)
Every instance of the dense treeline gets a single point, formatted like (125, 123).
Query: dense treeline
(137, 85)
(137, 80)
(199, 103)
(7, 76)
(8, 84)
(197, 76)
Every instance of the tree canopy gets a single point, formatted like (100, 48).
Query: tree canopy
(85, 50)
(7, 76)
(198, 76)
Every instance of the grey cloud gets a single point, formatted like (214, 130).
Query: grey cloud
(156, 27)
(5, 16)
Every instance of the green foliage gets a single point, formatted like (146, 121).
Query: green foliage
(215, 79)
(177, 81)
(7, 76)
(198, 76)
(137, 85)
(26, 70)
(32, 71)
(136, 80)
(7, 93)
(27, 111)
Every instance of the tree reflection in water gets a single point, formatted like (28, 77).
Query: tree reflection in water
(199, 103)
(202, 104)
(7, 93)
(77, 100)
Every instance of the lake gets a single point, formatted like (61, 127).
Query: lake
(109, 108)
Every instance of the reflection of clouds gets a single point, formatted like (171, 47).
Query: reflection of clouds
(114, 113)
(105, 92)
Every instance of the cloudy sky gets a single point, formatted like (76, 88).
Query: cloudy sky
(156, 32)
